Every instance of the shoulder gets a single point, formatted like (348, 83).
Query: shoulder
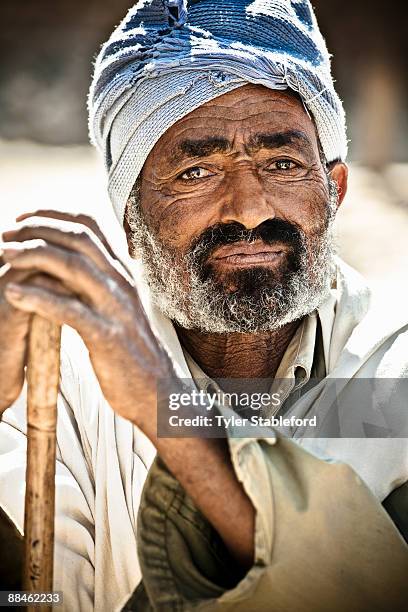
(393, 352)
(370, 325)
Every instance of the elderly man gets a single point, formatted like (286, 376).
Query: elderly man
(225, 145)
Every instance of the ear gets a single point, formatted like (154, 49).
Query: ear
(339, 173)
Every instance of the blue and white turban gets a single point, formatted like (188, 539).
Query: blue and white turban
(169, 57)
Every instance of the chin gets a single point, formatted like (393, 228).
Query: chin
(253, 281)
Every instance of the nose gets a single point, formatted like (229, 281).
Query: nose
(245, 200)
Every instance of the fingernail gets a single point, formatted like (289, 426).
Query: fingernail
(14, 289)
(9, 234)
(24, 216)
(10, 254)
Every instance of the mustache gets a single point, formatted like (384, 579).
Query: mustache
(270, 232)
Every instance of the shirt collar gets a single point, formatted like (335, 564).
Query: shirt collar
(297, 360)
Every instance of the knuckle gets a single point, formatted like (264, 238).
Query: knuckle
(102, 331)
(73, 309)
(76, 311)
(82, 235)
(86, 220)
(72, 261)
(113, 332)
(39, 248)
(81, 261)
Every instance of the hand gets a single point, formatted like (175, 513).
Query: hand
(90, 291)
(14, 328)
(100, 302)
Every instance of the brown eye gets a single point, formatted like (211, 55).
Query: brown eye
(195, 173)
(283, 164)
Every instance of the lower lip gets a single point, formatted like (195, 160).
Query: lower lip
(257, 259)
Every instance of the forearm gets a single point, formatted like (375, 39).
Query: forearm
(204, 469)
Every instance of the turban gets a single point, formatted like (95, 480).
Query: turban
(168, 57)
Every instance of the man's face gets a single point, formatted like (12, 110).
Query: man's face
(234, 214)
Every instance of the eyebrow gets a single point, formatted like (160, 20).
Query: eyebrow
(205, 147)
(278, 139)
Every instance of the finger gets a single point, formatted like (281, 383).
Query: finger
(9, 275)
(3, 263)
(40, 280)
(72, 269)
(16, 325)
(74, 218)
(48, 282)
(70, 235)
(59, 309)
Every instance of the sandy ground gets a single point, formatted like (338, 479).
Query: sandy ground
(372, 225)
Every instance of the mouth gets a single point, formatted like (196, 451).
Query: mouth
(243, 254)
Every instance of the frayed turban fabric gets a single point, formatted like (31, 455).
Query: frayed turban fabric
(167, 58)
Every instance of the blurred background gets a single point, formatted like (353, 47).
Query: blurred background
(47, 48)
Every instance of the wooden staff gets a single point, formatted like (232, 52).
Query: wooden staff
(43, 379)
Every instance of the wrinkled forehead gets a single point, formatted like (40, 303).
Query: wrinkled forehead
(252, 112)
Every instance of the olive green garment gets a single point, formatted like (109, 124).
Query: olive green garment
(323, 542)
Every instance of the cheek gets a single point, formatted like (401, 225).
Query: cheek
(177, 220)
(303, 203)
